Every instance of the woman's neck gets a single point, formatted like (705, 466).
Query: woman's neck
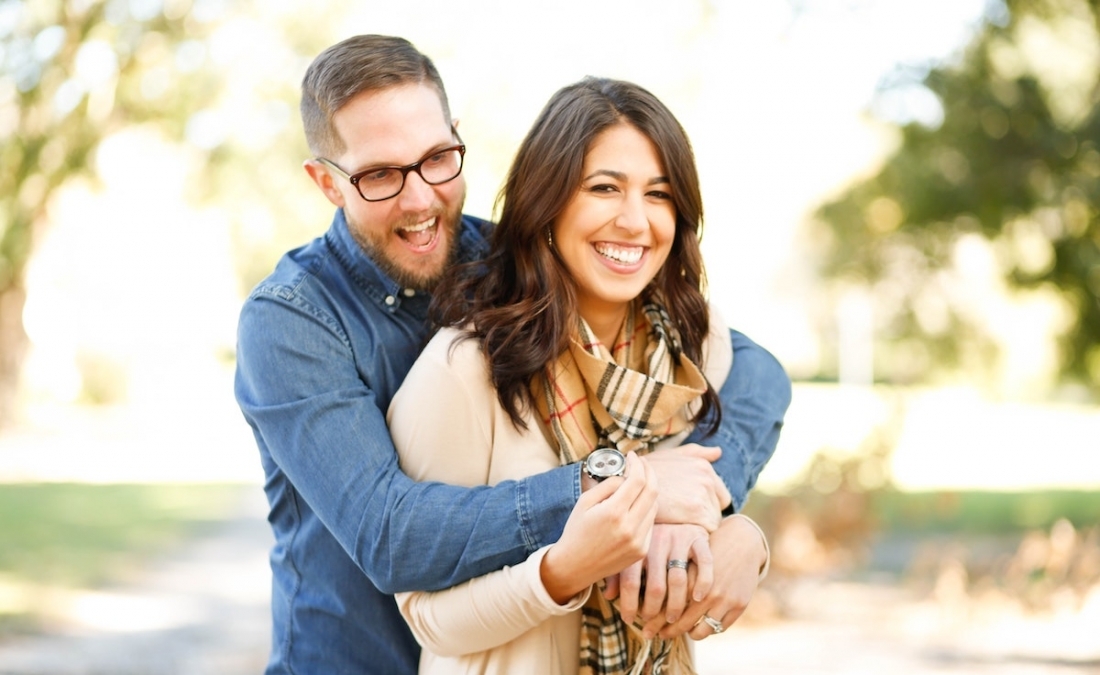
(606, 323)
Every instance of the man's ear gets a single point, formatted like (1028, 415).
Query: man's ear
(321, 176)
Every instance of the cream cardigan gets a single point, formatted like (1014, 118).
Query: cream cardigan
(448, 426)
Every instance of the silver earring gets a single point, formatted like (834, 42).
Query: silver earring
(549, 237)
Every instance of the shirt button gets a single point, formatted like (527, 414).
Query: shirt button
(409, 292)
(390, 300)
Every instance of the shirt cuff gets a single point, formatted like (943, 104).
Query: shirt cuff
(543, 597)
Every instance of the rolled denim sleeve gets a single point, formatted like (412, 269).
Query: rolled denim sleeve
(319, 425)
(754, 400)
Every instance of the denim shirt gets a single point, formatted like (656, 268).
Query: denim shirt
(323, 344)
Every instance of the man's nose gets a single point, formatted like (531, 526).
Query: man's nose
(415, 195)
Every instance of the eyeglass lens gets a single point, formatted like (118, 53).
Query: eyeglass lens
(386, 182)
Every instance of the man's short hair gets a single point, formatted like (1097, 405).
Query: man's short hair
(351, 67)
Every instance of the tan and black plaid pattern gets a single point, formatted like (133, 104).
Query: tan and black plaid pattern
(627, 397)
(610, 647)
(607, 653)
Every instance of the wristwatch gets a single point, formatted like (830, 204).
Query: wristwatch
(604, 463)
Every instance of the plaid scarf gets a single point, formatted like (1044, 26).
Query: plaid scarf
(629, 398)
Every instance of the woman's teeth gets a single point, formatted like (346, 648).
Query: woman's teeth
(620, 254)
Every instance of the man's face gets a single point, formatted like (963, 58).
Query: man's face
(412, 236)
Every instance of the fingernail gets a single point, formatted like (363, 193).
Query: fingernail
(647, 634)
(672, 618)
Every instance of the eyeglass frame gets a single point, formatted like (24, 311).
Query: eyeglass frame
(405, 170)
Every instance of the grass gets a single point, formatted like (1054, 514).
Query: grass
(85, 536)
(984, 512)
(955, 512)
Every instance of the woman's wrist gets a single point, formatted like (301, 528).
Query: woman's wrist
(766, 565)
(561, 585)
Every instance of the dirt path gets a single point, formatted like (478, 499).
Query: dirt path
(205, 612)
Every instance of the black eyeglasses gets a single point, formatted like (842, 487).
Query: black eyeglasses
(386, 182)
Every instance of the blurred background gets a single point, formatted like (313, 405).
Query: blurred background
(901, 204)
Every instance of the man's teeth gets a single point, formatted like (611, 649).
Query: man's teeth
(627, 256)
(420, 227)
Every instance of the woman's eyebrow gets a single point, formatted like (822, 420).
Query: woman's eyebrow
(619, 175)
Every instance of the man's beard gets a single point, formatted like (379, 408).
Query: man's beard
(449, 224)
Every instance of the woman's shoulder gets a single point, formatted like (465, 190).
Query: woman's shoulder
(456, 350)
(717, 350)
(452, 340)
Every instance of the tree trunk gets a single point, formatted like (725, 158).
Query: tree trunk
(13, 346)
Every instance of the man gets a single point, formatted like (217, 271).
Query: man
(325, 341)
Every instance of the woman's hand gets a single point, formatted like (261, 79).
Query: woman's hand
(608, 530)
(666, 587)
(741, 551)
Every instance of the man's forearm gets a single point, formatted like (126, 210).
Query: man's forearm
(430, 536)
(754, 399)
(323, 436)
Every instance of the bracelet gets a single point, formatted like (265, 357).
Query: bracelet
(767, 549)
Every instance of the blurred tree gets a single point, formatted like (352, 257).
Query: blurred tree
(73, 73)
(1014, 161)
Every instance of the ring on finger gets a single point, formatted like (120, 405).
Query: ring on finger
(714, 624)
(680, 564)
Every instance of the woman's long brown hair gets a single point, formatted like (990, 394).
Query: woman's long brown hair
(520, 301)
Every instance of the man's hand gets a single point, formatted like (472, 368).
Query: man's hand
(741, 553)
(691, 492)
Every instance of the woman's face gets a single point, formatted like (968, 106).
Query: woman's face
(617, 229)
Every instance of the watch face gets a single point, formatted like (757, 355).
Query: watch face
(604, 463)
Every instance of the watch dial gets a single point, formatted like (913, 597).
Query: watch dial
(606, 462)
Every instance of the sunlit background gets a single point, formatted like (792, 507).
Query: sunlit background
(158, 154)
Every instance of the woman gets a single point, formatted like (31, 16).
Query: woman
(595, 276)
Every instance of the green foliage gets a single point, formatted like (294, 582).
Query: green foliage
(72, 74)
(72, 534)
(890, 512)
(984, 512)
(1016, 161)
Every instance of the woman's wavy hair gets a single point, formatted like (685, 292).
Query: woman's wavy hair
(520, 302)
